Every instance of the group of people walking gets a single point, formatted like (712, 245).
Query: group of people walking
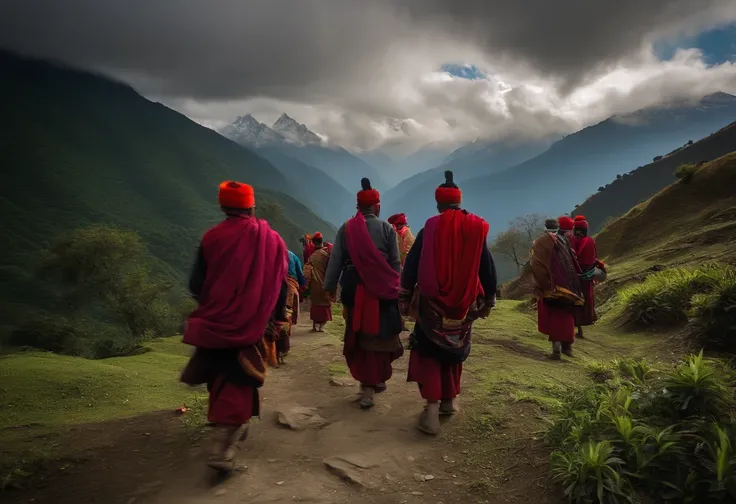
(565, 267)
(248, 286)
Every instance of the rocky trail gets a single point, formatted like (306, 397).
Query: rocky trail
(330, 451)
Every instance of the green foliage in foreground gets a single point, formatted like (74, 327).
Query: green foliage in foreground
(101, 273)
(705, 295)
(670, 436)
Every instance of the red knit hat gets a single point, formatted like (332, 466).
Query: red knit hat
(566, 223)
(398, 219)
(448, 193)
(368, 196)
(236, 195)
(317, 236)
(580, 222)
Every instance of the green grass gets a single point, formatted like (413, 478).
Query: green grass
(43, 393)
(54, 390)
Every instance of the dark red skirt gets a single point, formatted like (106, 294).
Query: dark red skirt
(436, 380)
(585, 315)
(320, 314)
(232, 404)
(370, 368)
(557, 323)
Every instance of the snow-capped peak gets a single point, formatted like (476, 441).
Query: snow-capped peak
(247, 130)
(294, 132)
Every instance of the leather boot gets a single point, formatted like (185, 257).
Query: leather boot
(556, 349)
(429, 419)
(448, 407)
(368, 401)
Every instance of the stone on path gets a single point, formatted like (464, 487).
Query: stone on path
(299, 417)
(349, 467)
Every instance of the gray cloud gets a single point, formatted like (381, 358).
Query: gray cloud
(353, 69)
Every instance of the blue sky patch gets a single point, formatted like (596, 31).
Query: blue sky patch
(718, 45)
(470, 72)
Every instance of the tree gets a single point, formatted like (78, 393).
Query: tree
(516, 242)
(532, 225)
(514, 245)
(104, 268)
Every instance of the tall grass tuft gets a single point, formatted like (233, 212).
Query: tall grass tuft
(705, 295)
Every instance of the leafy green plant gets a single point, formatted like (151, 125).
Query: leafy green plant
(667, 436)
(638, 370)
(591, 474)
(700, 387)
(598, 371)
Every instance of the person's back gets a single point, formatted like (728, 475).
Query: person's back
(239, 282)
(365, 257)
(448, 281)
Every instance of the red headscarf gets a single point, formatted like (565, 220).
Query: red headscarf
(448, 193)
(580, 222)
(368, 196)
(317, 236)
(397, 220)
(236, 195)
(566, 223)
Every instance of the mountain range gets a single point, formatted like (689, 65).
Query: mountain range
(293, 139)
(628, 190)
(80, 149)
(571, 169)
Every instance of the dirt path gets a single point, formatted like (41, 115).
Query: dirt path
(147, 459)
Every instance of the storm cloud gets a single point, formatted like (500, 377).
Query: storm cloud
(354, 69)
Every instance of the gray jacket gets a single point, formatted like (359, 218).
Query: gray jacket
(383, 235)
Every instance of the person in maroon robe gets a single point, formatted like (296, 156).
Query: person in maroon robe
(365, 259)
(239, 281)
(556, 277)
(587, 255)
(448, 281)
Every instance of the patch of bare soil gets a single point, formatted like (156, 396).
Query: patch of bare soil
(337, 453)
(518, 348)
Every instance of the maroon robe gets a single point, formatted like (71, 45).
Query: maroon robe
(239, 282)
(587, 255)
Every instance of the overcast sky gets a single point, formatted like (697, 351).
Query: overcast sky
(369, 72)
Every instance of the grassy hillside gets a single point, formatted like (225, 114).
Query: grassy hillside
(80, 149)
(686, 223)
(625, 192)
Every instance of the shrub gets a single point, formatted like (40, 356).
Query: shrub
(669, 437)
(656, 158)
(686, 172)
(665, 297)
(714, 314)
(599, 372)
(101, 273)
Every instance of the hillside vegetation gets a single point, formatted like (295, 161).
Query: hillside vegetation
(79, 149)
(684, 224)
(625, 192)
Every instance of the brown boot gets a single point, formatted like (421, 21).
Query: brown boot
(226, 442)
(448, 407)
(567, 349)
(556, 348)
(429, 419)
(367, 401)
